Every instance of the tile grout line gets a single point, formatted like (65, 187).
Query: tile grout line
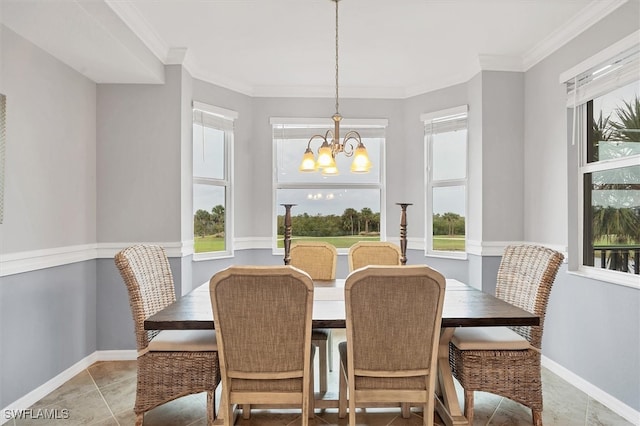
(494, 412)
(103, 398)
(586, 411)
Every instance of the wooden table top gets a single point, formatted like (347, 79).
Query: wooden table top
(464, 306)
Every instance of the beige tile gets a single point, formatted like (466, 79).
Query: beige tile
(180, 412)
(563, 404)
(106, 373)
(599, 415)
(72, 390)
(120, 396)
(89, 408)
(510, 413)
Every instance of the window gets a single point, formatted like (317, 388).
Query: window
(446, 181)
(341, 209)
(606, 126)
(212, 154)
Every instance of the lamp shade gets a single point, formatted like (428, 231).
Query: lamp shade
(308, 163)
(361, 162)
(325, 157)
(330, 171)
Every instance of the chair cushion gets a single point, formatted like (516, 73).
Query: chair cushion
(184, 341)
(488, 338)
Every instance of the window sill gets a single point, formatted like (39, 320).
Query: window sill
(447, 255)
(198, 257)
(612, 277)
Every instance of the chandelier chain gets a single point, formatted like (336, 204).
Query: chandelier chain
(336, 55)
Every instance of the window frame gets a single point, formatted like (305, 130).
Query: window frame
(428, 119)
(228, 116)
(278, 209)
(583, 87)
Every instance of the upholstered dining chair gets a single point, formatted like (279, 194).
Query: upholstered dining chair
(366, 253)
(171, 363)
(319, 260)
(506, 360)
(263, 325)
(393, 327)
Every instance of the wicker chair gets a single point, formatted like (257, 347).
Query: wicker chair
(171, 363)
(486, 359)
(393, 327)
(318, 259)
(263, 324)
(366, 253)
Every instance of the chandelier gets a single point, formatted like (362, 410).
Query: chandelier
(331, 144)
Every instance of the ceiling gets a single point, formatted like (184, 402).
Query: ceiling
(387, 49)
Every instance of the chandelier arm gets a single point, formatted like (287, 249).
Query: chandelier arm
(347, 148)
(324, 138)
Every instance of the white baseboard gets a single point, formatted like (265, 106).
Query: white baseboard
(593, 391)
(41, 391)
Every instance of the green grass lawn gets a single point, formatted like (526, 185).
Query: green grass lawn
(448, 243)
(208, 243)
(441, 242)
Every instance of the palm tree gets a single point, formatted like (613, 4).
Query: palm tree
(618, 224)
(451, 219)
(201, 221)
(627, 128)
(366, 214)
(349, 219)
(217, 216)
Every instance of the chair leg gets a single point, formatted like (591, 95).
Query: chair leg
(330, 351)
(246, 411)
(322, 365)
(312, 395)
(342, 393)
(405, 408)
(211, 407)
(468, 406)
(537, 417)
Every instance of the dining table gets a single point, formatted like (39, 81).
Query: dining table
(464, 306)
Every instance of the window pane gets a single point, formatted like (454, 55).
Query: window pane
(341, 217)
(615, 124)
(209, 218)
(290, 151)
(208, 152)
(612, 218)
(449, 151)
(448, 219)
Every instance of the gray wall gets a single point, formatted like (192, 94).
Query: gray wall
(592, 327)
(57, 196)
(47, 317)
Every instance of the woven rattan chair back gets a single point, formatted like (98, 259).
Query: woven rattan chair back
(393, 317)
(318, 259)
(147, 275)
(366, 253)
(525, 277)
(263, 325)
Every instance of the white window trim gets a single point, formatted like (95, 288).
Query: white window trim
(578, 134)
(324, 123)
(229, 115)
(426, 119)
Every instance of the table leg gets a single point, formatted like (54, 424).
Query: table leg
(447, 404)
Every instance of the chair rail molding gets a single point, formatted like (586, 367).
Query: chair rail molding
(496, 248)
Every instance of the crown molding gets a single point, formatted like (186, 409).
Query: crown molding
(500, 63)
(583, 20)
(131, 16)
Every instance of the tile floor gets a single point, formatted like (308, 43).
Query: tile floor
(103, 395)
